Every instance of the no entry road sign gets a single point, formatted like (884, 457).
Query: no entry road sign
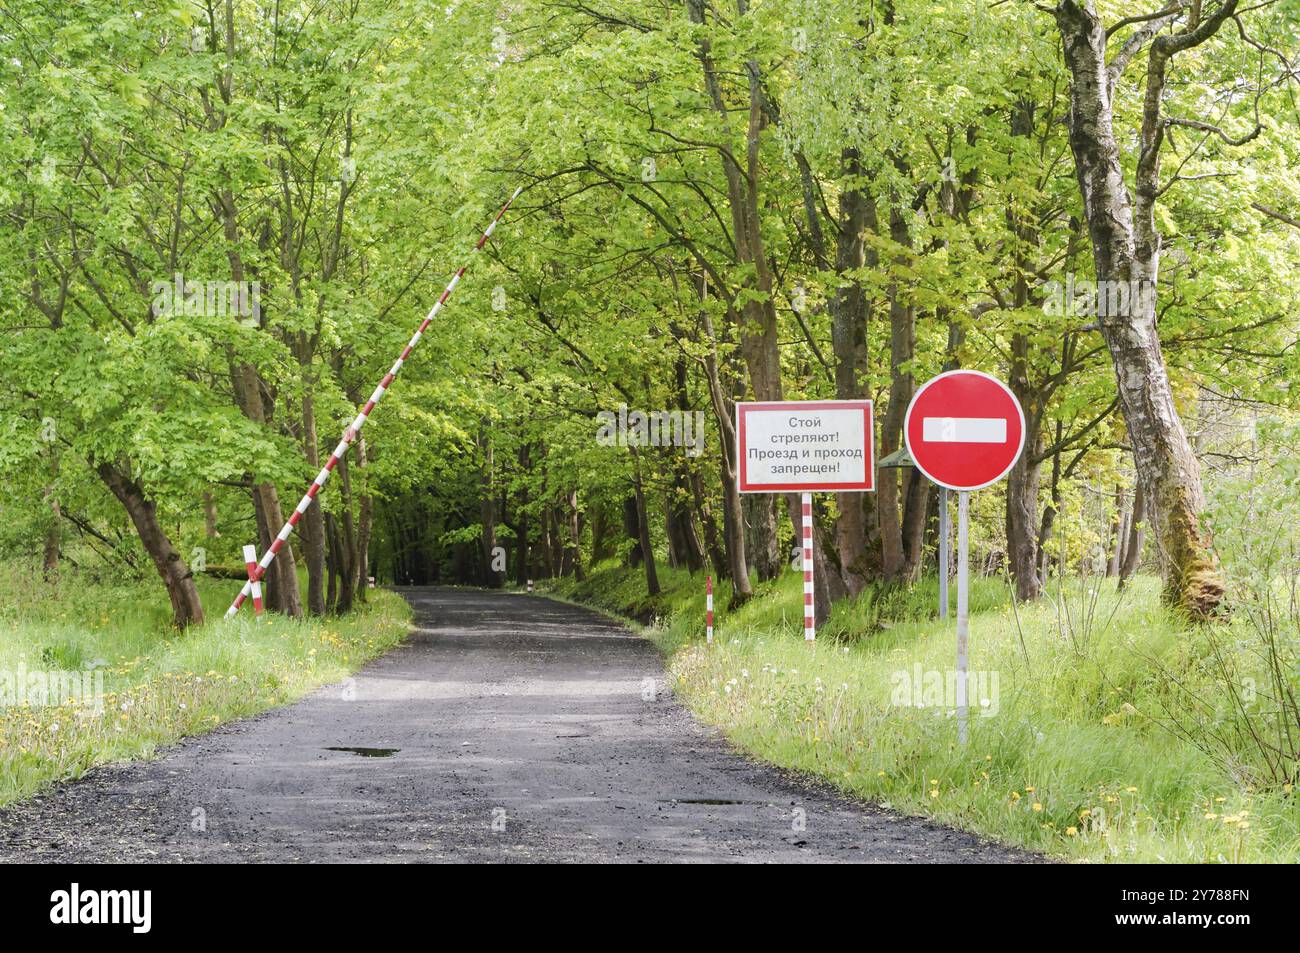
(805, 446)
(964, 430)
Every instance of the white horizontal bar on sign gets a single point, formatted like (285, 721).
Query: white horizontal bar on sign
(964, 429)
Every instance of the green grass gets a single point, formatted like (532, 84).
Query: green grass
(1071, 760)
(160, 685)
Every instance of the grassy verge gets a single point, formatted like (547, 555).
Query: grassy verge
(159, 685)
(1067, 757)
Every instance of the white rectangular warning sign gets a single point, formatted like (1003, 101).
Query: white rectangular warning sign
(805, 446)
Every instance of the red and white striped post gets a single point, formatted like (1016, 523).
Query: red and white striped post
(250, 560)
(350, 434)
(809, 609)
(708, 609)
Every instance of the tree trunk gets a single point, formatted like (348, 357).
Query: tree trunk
(1051, 509)
(682, 535)
(521, 541)
(50, 556)
(762, 537)
(1135, 538)
(601, 549)
(1024, 480)
(1118, 532)
(1126, 253)
(915, 516)
(176, 576)
(347, 542)
(561, 554)
(550, 566)
(712, 541)
(281, 581)
(849, 317)
(487, 507)
(365, 520)
(647, 552)
(334, 561)
(575, 536)
(312, 525)
(759, 344)
(902, 347)
(210, 516)
(672, 533)
(632, 529)
(733, 522)
(282, 577)
(1023, 525)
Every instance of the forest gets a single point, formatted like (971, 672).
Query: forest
(221, 220)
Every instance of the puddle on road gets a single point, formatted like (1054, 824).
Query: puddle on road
(369, 752)
(702, 800)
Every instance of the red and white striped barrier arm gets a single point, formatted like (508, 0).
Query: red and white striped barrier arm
(809, 613)
(350, 434)
(708, 608)
(254, 580)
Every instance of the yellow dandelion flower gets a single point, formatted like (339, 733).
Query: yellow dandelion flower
(1037, 806)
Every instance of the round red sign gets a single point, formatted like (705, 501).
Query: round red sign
(964, 429)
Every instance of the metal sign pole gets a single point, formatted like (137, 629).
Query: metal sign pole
(945, 558)
(963, 606)
(947, 414)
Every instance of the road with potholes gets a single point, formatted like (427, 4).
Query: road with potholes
(506, 728)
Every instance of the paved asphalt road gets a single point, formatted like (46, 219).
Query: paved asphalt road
(515, 729)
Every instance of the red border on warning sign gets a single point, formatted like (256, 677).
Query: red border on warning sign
(868, 442)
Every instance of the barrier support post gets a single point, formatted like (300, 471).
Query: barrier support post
(708, 609)
(809, 607)
(254, 581)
